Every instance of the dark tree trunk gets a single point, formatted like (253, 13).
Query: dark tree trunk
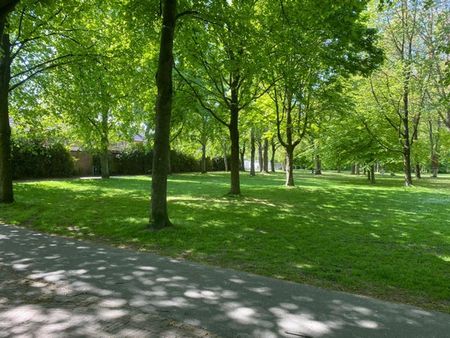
(418, 174)
(159, 215)
(104, 156)
(204, 169)
(6, 186)
(260, 156)
(266, 155)
(318, 165)
(407, 163)
(234, 138)
(357, 169)
(104, 163)
(372, 173)
(272, 159)
(353, 169)
(290, 167)
(252, 152)
(242, 154)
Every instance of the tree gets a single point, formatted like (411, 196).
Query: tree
(159, 214)
(27, 30)
(311, 52)
(225, 55)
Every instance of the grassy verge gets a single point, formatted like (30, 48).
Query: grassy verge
(334, 231)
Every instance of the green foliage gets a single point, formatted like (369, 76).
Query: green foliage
(35, 158)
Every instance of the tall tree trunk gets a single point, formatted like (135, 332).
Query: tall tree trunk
(290, 167)
(434, 154)
(272, 159)
(104, 156)
(225, 155)
(266, 155)
(318, 165)
(353, 169)
(252, 152)
(407, 163)
(242, 154)
(204, 169)
(234, 138)
(104, 163)
(260, 156)
(159, 214)
(357, 169)
(417, 171)
(372, 173)
(6, 185)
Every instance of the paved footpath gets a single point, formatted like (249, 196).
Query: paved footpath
(57, 287)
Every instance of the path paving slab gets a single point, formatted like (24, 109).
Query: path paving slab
(57, 287)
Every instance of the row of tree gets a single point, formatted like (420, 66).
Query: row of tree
(362, 82)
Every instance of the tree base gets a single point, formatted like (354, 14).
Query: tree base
(156, 226)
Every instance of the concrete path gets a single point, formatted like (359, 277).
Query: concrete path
(65, 287)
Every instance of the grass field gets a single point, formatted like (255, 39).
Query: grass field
(334, 231)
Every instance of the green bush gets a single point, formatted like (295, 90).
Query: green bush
(39, 159)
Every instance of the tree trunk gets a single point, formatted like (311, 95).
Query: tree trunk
(418, 174)
(204, 169)
(272, 159)
(252, 152)
(434, 144)
(159, 215)
(6, 185)
(372, 173)
(234, 138)
(357, 169)
(242, 154)
(104, 156)
(318, 165)
(289, 167)
(260, 156)
(266, 155)
(353, 169)
(407, 163)
(104, 163)
(225, 156)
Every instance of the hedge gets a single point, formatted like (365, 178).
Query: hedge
(37, 159)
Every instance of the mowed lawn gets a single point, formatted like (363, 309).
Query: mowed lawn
(335, 231)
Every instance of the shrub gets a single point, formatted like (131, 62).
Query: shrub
(34, 158)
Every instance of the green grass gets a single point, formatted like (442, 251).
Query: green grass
(334, 231)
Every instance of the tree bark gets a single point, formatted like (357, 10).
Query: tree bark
(159, 214)
(318, 165)
(353, 169)
(289, 167)
(204, 169)
(372, 173)
(225, 156)
(418, 169)
(272, 159)
(266, 155)
(104, 156)
(252, 152)
(6, 185)
(260, 156)
(434, 153)
(234, 138)
(242, 154)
